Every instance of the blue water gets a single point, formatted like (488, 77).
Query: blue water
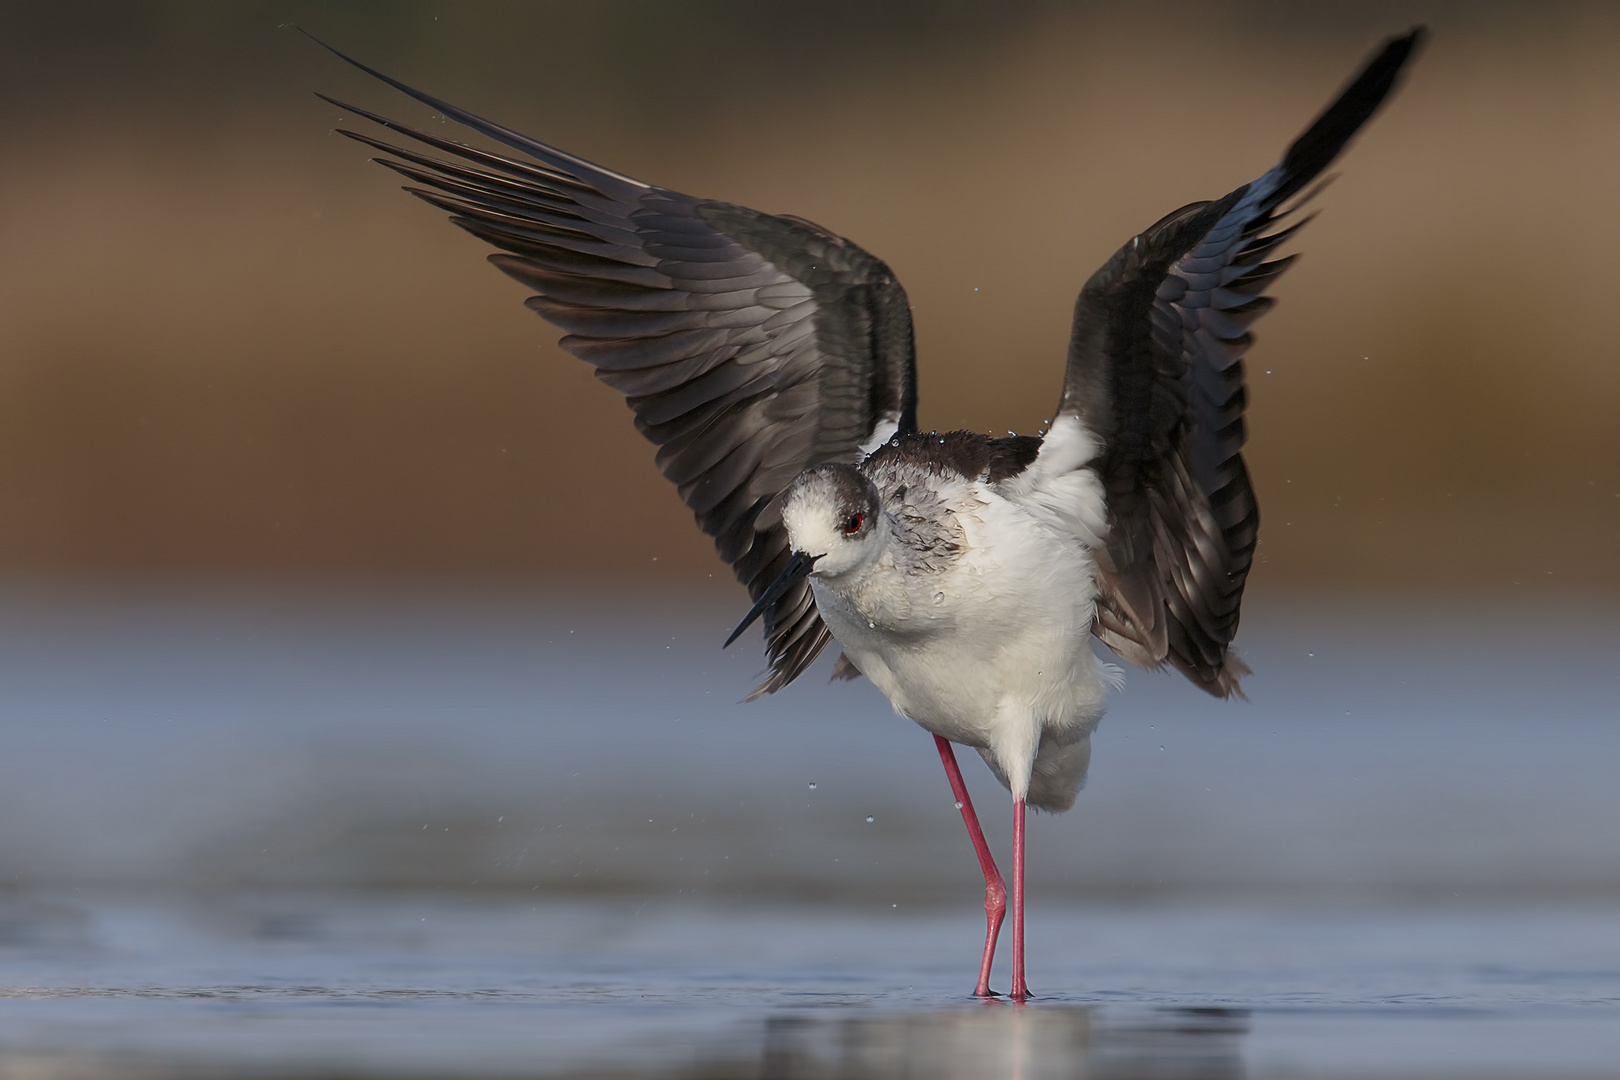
(414, 984)
(459, 835)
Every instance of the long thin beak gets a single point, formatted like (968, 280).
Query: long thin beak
(797, 569)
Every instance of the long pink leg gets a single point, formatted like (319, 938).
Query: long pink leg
(995, 890)
(1020, 989)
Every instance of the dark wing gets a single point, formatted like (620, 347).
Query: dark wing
(749, 346)
(1156, 374)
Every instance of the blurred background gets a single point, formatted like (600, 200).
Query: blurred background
(322, 565)
(233, 349)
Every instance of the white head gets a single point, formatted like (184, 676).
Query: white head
(833, 516)
(834, 526)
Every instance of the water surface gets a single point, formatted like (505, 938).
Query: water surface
(433, 985)
(439, 835)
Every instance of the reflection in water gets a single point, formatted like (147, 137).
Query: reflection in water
(996, 1040)
(969, 1042)
(419, 987)
(272, 763)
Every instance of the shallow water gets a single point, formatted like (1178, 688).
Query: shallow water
(354, 835)
(425, 985)
(536, 744)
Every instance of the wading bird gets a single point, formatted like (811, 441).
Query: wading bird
(771, 361)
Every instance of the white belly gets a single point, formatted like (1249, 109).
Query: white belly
(989, 651)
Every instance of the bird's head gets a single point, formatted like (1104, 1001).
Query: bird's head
(833, 517)
(834, 527)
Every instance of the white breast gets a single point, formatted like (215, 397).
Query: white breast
(990, 649)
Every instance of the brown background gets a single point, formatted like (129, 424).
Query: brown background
(231, 348)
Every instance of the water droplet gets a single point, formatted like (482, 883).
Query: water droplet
(939, 598)
(959, 804)
(812, 785)
(1161, 747)
(870, 819)
(870, 625)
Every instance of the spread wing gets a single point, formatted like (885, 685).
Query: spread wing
(1155, 373)
(749, 346)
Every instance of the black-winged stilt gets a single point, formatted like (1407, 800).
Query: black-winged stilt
(771, 361)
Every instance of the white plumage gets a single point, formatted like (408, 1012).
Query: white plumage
(978, 629)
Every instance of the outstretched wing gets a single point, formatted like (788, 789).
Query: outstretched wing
(1155, 374)
(749, 346)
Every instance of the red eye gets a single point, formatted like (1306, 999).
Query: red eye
(852, 524)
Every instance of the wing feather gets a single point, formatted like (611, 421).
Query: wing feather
(750, 347)
(1156, 374)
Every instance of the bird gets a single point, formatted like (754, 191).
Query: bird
(772, 363)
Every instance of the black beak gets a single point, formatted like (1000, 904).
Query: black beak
(797, 569)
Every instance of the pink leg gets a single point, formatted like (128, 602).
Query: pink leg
(995, 890)
(1020, 989)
